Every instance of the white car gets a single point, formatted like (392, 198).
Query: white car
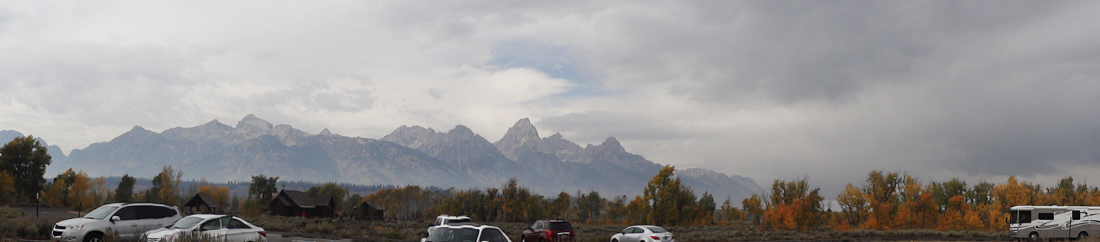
(467, 233)
(127, 219)
(448, 220)
(643, 233)
(203, 227)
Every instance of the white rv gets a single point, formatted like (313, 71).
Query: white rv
(1053, 222)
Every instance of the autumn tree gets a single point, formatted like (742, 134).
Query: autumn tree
(662, 194)
(7, 188)
(882, 191)
(166, 186)
(589, 205)
(80, 197)
(125, 190)
(753, 208)
(560, 206)
(729, 213)
(793, 205)
(219, 193)
(853, 205)
(25, 160)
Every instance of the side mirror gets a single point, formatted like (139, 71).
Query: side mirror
(115, 218)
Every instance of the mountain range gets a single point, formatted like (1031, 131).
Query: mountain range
(410, 155)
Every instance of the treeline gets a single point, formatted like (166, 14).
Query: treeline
(898, 201)
(665, 201)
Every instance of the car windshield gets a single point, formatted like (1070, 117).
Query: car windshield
(561, 226)
(454, 235)
(101, 212)
(186, 223)
(460, 220)
(656, 229)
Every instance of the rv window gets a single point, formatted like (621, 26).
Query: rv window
(1025, 217)
(1046, 216)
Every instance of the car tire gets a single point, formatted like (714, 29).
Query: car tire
(94, 237)
(614, 240)
(1033, 237)
(1083, 235)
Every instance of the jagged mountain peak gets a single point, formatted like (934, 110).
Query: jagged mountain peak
(251, 121)
(612, 144)
(325, 132)
(520, 133)
(137, 128)
(462, 131)
(251, 126)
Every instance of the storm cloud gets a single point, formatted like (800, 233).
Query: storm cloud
(979, 90)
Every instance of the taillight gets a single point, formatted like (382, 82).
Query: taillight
(550, 234)
(263, 233)
(655, 237)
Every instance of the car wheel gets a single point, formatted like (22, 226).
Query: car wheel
(614, 240)
(522, 238)
(1033, 237)
(93, 237)
(1083, 235)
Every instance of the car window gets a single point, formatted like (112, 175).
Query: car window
(459, 220)
(127, 213)
(561, 226)
(536, 226)
(453, 235)
(147, 212)
(186, 223)
(101, 212)
(165, 212)
(236, 223)
(212, 225)
(494, 235)
(656, 229)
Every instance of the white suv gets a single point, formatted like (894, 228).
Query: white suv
(467, 232)
(129, 220)
(448, 220)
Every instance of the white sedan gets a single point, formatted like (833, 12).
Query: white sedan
(222, 228)
(643, 233)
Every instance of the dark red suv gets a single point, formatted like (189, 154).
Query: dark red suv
(549, 230)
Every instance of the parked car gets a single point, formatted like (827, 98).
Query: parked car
(549, 230)
(467, 233)
(643, 233)
(448, 220)
(204, 227)
(129, 220)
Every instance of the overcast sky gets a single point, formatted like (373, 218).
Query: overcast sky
(830, 90)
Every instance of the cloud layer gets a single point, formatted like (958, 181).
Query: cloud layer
(765, 89)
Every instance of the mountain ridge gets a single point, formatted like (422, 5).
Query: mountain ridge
(410, 155)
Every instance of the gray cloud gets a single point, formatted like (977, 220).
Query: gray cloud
(767, 89)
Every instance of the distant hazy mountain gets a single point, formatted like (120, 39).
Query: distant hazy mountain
(53, 150)
(409, 155)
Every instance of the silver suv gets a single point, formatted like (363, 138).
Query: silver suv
(129, 220)
(448, 220)
(467, 232)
